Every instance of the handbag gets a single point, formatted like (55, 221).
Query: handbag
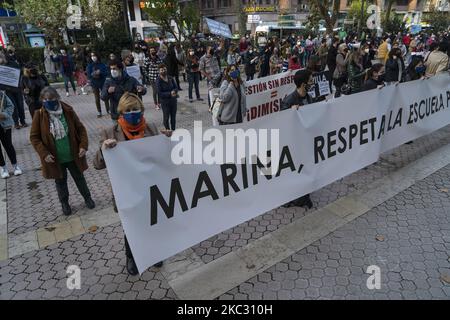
(215, 107)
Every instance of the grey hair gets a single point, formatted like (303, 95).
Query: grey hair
(51, 92)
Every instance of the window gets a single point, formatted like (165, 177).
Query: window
(131, 10)
(224, 3)
(207, 4)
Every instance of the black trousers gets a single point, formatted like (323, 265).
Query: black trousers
(77, 176)
(169, 108)
(155, 93)
(19, 111)
(194, 80)
(33, 107)
(96, 92)
(6, 139)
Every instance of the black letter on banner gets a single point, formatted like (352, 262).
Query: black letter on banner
(210, 191)
(331, 142)
(319, 143)
(228, 179)
(289, 164)
(156, 197)
(342, 131)
(353, 134)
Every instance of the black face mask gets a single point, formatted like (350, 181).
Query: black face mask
(33, 72)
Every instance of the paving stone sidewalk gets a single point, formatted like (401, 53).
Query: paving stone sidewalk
(32, 204)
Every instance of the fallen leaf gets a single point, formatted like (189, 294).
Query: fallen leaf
(93, 229)
(445, 278)
(50, 229)
(380, 238)
(443, 190)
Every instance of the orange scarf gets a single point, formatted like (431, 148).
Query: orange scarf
(130, 131)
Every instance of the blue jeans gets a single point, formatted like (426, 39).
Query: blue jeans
(194, 80)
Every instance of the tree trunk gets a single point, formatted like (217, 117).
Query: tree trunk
(389, 9)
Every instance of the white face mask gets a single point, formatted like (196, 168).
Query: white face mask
(366, 50)
(115, 73)
(63, 52)
(94, 59)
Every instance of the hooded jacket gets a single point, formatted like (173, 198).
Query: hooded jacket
(123, 84)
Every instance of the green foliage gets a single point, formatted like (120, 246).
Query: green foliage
(35, 55)
(439, 20)
(186, 17)
(115, 40)
(51, 15)
(394, 25)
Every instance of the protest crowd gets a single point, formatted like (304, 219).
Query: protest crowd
(352, 64)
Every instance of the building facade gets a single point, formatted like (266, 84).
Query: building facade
(268, 11)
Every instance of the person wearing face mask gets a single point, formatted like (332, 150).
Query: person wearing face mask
(61, 141)
(395, 67)
(168, 94)
(340, 75)
(416, 69)
(383, 50)
(366, 58)
(250, 62)
(50, 66)
(323, 53)
(303, 81)
(151, 67)
(97, 73)
(6, 123)
(193, 75)
(374, 77)
(80, 76)
(356, 72)
(315, 67)
(264, 61)
(131, 125)
(14, 94)
(276, 62)
(67, 69)
(32, 84)
(210, 69)
(120, 82)
(232, 94)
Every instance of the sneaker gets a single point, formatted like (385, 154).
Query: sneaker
(131, 267)
(90, 204)
(67, 94)
(191, 100)
(200, 99)
(24, 125)
(157, 107)
(4, 173)
(99, 115)
(83, 91)
(17, 170)
(17, 127)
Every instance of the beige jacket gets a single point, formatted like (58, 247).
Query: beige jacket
(437, 62)
(115, 132)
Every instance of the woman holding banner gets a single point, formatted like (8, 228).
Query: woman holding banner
(232, 95)
(131, 125)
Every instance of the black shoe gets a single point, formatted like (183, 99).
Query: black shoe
(308, 203)
(158, 265)
(24, 125)
(131, 267)
(67, 210)
(89, 203)
(17, 127)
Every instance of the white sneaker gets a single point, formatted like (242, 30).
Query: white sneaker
(67, 94)
(17, 171)
(4, 173)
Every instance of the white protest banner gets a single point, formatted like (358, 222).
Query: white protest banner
(9, 76)
(166, 207)
(135, 72)
(264, 95)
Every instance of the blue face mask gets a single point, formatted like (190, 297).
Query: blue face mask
(51, 105)
(421, 69)
(133, 117)
(234, 74)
